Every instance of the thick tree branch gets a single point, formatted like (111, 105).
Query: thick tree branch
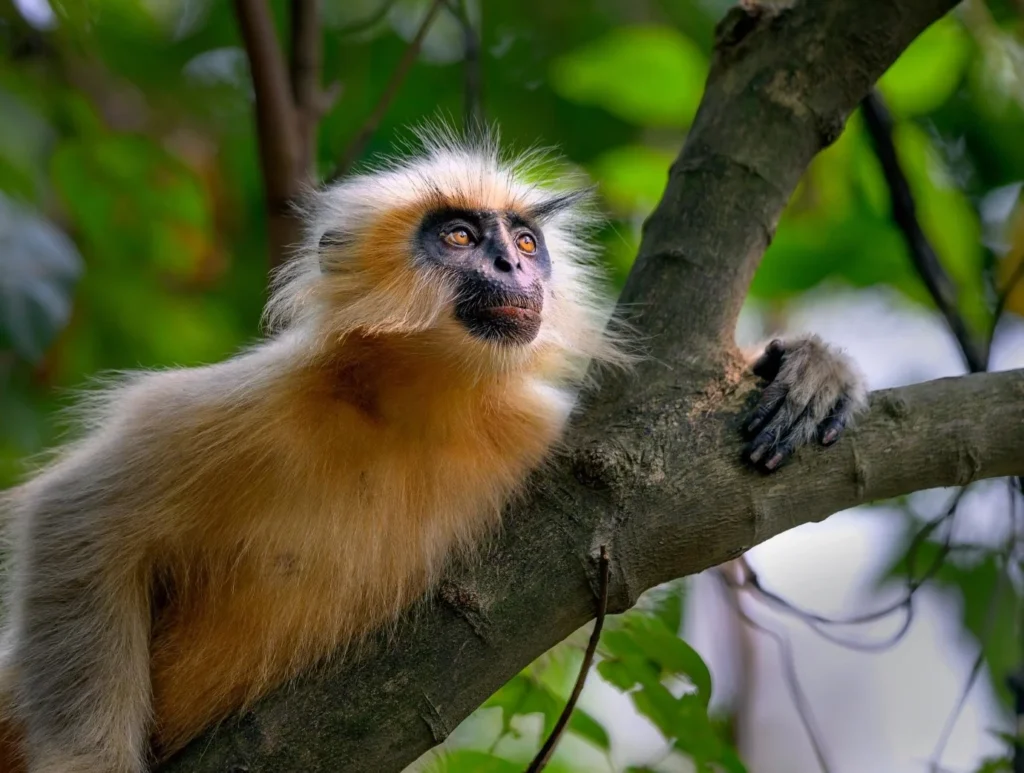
(472, 91)
(305, 68)
(652, 469)
(782, 84)
(277, 125)
(662, 510)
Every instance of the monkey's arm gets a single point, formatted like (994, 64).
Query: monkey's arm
(813, 392)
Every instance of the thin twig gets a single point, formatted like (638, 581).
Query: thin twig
(366, 131)
(1016, 683)
(588, 658)
(933, 274)
(984, 636)
(276, 125)
(976, 355)
(305, 70)
(752, 581)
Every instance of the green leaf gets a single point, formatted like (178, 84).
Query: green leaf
(996, 765)
(39, 267)
(990, 603)
(667, 603)
(607, 72)
(633, 177)
(134, 202)
(671, 653)
(527, 694)
(25, 140)
(655, 702)
(827, 233)
(617, 674)
(558, 669)
(585, 726)
(510, 699)
(640, 652)
(947, 217)
(929, 71)
(470, 761)
(539, 700)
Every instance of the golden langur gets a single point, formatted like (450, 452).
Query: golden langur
(215, 530)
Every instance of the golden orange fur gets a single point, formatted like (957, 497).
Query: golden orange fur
(231, 525)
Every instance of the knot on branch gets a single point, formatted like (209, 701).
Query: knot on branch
(895, 407)
(431, 715)
(467, 603)
(599, 467)
(737, 24)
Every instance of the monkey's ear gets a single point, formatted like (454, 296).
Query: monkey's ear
(330, 244)
(547, 209)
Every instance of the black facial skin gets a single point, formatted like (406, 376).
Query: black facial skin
(500, 283)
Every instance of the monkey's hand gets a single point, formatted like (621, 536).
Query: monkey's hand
(813, 392)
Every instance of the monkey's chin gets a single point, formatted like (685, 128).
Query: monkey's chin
(503, 325)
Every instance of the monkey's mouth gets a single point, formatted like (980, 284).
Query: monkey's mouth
(505, 318)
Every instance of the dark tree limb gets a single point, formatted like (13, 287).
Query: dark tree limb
(277, 126)
(472, 93)
(940, 285)
(653, 467)
(305, 68)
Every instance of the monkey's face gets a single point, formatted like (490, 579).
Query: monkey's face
(499, 264)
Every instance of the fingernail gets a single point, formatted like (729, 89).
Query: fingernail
(772, 463)
(757, 453)
(830, 436)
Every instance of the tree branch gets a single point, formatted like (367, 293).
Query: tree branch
(472, 91)
(305, 68)
(652, 467)
(782, 84)
(662, 511)
(277, 126)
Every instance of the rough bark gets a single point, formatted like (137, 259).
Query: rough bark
(653, 467)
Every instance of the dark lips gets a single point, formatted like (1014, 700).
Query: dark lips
(514, 320)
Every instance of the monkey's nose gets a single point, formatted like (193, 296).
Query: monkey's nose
(503, 264)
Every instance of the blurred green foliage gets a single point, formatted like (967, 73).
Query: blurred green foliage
(132, 229)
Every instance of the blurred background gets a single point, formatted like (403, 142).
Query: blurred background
(133, 234)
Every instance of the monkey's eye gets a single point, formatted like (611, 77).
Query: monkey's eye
(459, 237)
(526, 243)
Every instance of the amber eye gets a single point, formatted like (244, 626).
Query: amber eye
(526, 243)
(459, 237)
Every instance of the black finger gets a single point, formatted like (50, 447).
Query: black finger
(782, 452)
(783, 435)
(832, 427)
(768, 364)
(761, 445)
(772, 398)
(768, 439)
